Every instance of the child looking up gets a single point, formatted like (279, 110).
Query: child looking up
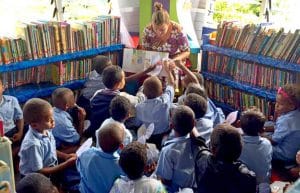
(66, 135)
(133, 161)
(286, 136)
(98, 167)
(176, 163)
(257, 151)
(155, 109)
(38, 152)
(119, 110)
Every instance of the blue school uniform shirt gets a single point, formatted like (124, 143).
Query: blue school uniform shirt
(10, 111)
(156, 111)
(213, 113)
(287, 137)
(257, 155)
(37, 152)
(204, 127)
(176, 163)
(98, 170)
(64, 131)
(128, 136)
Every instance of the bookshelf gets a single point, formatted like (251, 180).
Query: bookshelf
(25, 92)
(229, 81)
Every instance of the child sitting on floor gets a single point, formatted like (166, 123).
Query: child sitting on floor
(286, 136)
(257, 151)
(66, 135)
(98, 167)
(119, 109)
(133, 160)
(38, 151)
(156, 108)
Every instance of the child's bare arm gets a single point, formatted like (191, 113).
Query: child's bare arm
(187, 71)
(81, 118)
(138, 75)
(168, 68)
(50, 170)
(19, 134)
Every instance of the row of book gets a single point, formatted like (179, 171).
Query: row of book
(250, 72)
(48, 38)
(261, 40)
(58, 73)
(238, 99)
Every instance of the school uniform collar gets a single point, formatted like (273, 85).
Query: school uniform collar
(100, 152)
(251, 139)
(177, 139)
(4, 99)
(38, 134)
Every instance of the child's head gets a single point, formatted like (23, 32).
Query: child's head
(197, 103)
(252, 122)
(99, 63)
(226, 143)
(113, 77)
(288, 98)
(133, 160)
(152, 87)
(120, 108)
(183, 120)
(35, 183)
(111, 137)
(63, 98)
(38, 113)
(196, 89)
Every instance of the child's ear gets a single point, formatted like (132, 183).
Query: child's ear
(121, 146)
(34, 125)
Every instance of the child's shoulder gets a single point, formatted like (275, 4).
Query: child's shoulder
(9, 98)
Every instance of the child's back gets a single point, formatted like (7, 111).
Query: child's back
(99, 168)
(176, 163)
(199, 105)
(257, 151)
(219, 171)
(133, 160)
(156, 108)
(114, 80)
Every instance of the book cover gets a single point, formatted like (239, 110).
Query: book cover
(138, 60)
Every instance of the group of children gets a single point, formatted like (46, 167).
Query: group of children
(199, 151)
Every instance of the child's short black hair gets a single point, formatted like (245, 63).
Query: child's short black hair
(199, 78)
(110, 137)
(111, 76)
(119, 108)
(133, 160)
(99, 63)
(35, 183)
(152, 87)
(196, 89)
(252, 121)
(34, 109)
(226, 143)
(61, 96)
(197, 103)
(183, 120)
